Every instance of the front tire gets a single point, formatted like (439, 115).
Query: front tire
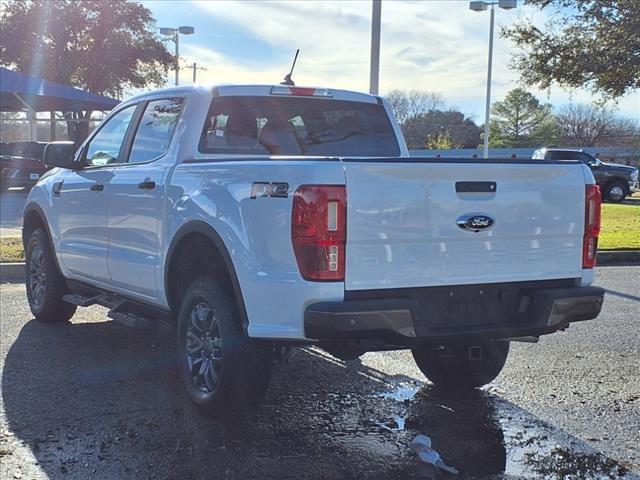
(451, 368)
(45, 285)
(615, 192)
(224, 372)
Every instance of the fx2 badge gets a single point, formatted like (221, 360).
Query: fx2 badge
(269, 189)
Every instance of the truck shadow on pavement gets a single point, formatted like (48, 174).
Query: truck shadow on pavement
(98, 400)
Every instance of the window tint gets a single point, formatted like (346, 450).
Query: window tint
(572, 156)
(586, 158)
(297, 126)
(155, 130)
(104, 148)
(560, 155)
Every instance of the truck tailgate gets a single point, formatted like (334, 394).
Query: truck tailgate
(403, 214)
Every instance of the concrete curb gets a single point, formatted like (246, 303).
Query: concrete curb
(14, 272)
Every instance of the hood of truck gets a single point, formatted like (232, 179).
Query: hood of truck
(618, 167)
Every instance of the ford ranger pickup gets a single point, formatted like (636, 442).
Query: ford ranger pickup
(256, 218)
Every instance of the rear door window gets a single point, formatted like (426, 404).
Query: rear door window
(563, 155)
(586, 158)
(297, 126)
(155, 130)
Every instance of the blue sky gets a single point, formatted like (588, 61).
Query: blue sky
(433, 45)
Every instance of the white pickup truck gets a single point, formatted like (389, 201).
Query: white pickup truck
(261, 217)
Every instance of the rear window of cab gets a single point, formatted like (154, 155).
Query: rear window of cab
(260, 125)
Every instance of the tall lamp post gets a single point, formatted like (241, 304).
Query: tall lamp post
(374, 67)
(481, 6)
(175, 33)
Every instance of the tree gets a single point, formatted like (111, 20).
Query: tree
(589, 43)
(624, 132)
(409, 104)
(399, 103)
(520, 120)
(446, 129)
(582, 125)
(103, 46)
(425, 123)
(439, 142)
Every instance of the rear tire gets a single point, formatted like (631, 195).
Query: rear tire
(224, 372)
(45, 285)
(450, 368)
(615, 192)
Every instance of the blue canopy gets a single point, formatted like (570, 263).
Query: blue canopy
(19, 91)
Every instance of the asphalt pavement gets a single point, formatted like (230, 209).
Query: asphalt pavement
(94, 399)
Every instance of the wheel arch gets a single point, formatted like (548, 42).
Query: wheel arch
(34, 217)
(198, 231)
(617, 179)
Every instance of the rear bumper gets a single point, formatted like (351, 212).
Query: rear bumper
(409, 320)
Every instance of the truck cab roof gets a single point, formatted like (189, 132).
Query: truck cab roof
(266, 90)
(557, 149)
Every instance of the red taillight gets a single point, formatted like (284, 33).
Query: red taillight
(593, 202)
(319, 230)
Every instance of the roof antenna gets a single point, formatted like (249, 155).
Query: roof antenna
(287, 78)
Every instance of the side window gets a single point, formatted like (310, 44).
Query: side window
(562, 155)
(588, 159)
(155, 130)
(104, 147)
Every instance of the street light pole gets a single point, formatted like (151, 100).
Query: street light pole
(481, 6)
(177, 40)
(485, 150)
(174, 33)
(374, 73)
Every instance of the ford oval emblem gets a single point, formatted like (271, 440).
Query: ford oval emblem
(475, 222)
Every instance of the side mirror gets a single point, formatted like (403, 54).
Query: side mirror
(60, 154)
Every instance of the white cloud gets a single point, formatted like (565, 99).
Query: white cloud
(433, 45)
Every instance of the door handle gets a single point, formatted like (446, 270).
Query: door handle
(97, 187)
(147, 185)
(57, 189)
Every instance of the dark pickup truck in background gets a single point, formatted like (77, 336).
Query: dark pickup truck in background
(616, 181)
(21, 164)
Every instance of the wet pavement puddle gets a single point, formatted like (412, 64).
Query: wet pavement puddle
(125, 415)
(483, 435)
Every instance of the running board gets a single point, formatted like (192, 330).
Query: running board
(123, 310)
(128, 319)
(81, 300)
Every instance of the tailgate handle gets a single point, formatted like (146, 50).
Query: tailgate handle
(476, 187)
